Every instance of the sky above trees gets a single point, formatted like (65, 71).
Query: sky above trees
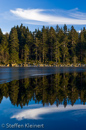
(35, 13)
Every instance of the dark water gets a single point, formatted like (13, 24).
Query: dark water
(9, 73)
(48, 98)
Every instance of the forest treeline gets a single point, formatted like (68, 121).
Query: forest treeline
(48, 45)
(65, 88)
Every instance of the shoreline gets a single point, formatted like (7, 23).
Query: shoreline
(42, 66)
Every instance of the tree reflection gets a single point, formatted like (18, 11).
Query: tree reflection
(57, 88)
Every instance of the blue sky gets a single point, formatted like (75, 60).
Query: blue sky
(36, 13)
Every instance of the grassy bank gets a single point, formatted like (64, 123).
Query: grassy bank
(42, 65)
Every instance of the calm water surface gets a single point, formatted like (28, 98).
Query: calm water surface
(48, 98)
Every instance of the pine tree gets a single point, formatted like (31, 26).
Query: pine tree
(65, 28)
(44, 44)
(73, 37)
(26, 53)
(4, 52)
(52, 38)
(36, 48)
(80, 46)
(1, 34)
(57, 51)
(29, 42)
(64, 49)
(57, 29)
(14, 46)
(84, 47)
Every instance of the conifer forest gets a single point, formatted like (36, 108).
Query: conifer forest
(46, 46)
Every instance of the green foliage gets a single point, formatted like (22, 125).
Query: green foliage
(52, 40)
(14, 46)
(57, 45)
(44, 44)
(26, 53)
(64, 49)
(57, 51)
(73, 38)
(4, 50)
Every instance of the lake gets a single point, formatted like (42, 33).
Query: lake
(43, 98)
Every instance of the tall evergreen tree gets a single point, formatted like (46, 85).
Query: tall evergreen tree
(26, 53)
(80, 46)
(14, 46)
(65, 28)
(4, 50)
(44, 44)
(57, 51)
(52, 38)
(36, 48)
(73, 37)
(64, 49)
(29, 42)
(1, 34)
(57, 29)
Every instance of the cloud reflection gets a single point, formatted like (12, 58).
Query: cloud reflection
(38, 112)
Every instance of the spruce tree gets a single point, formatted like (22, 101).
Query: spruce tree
(57, 51)
(65, 28)
(4, 52)
(44, 44)
(14, 46)
(26, 53)
(64, 49)
(52, 38)
(73, 38)
(1, 34)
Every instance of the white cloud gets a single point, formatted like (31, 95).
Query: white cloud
(79, 31)
(5, 32)
(51, 17)
(37, 113)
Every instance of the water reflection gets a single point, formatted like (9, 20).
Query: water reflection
(37, 113)
(58, 88)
